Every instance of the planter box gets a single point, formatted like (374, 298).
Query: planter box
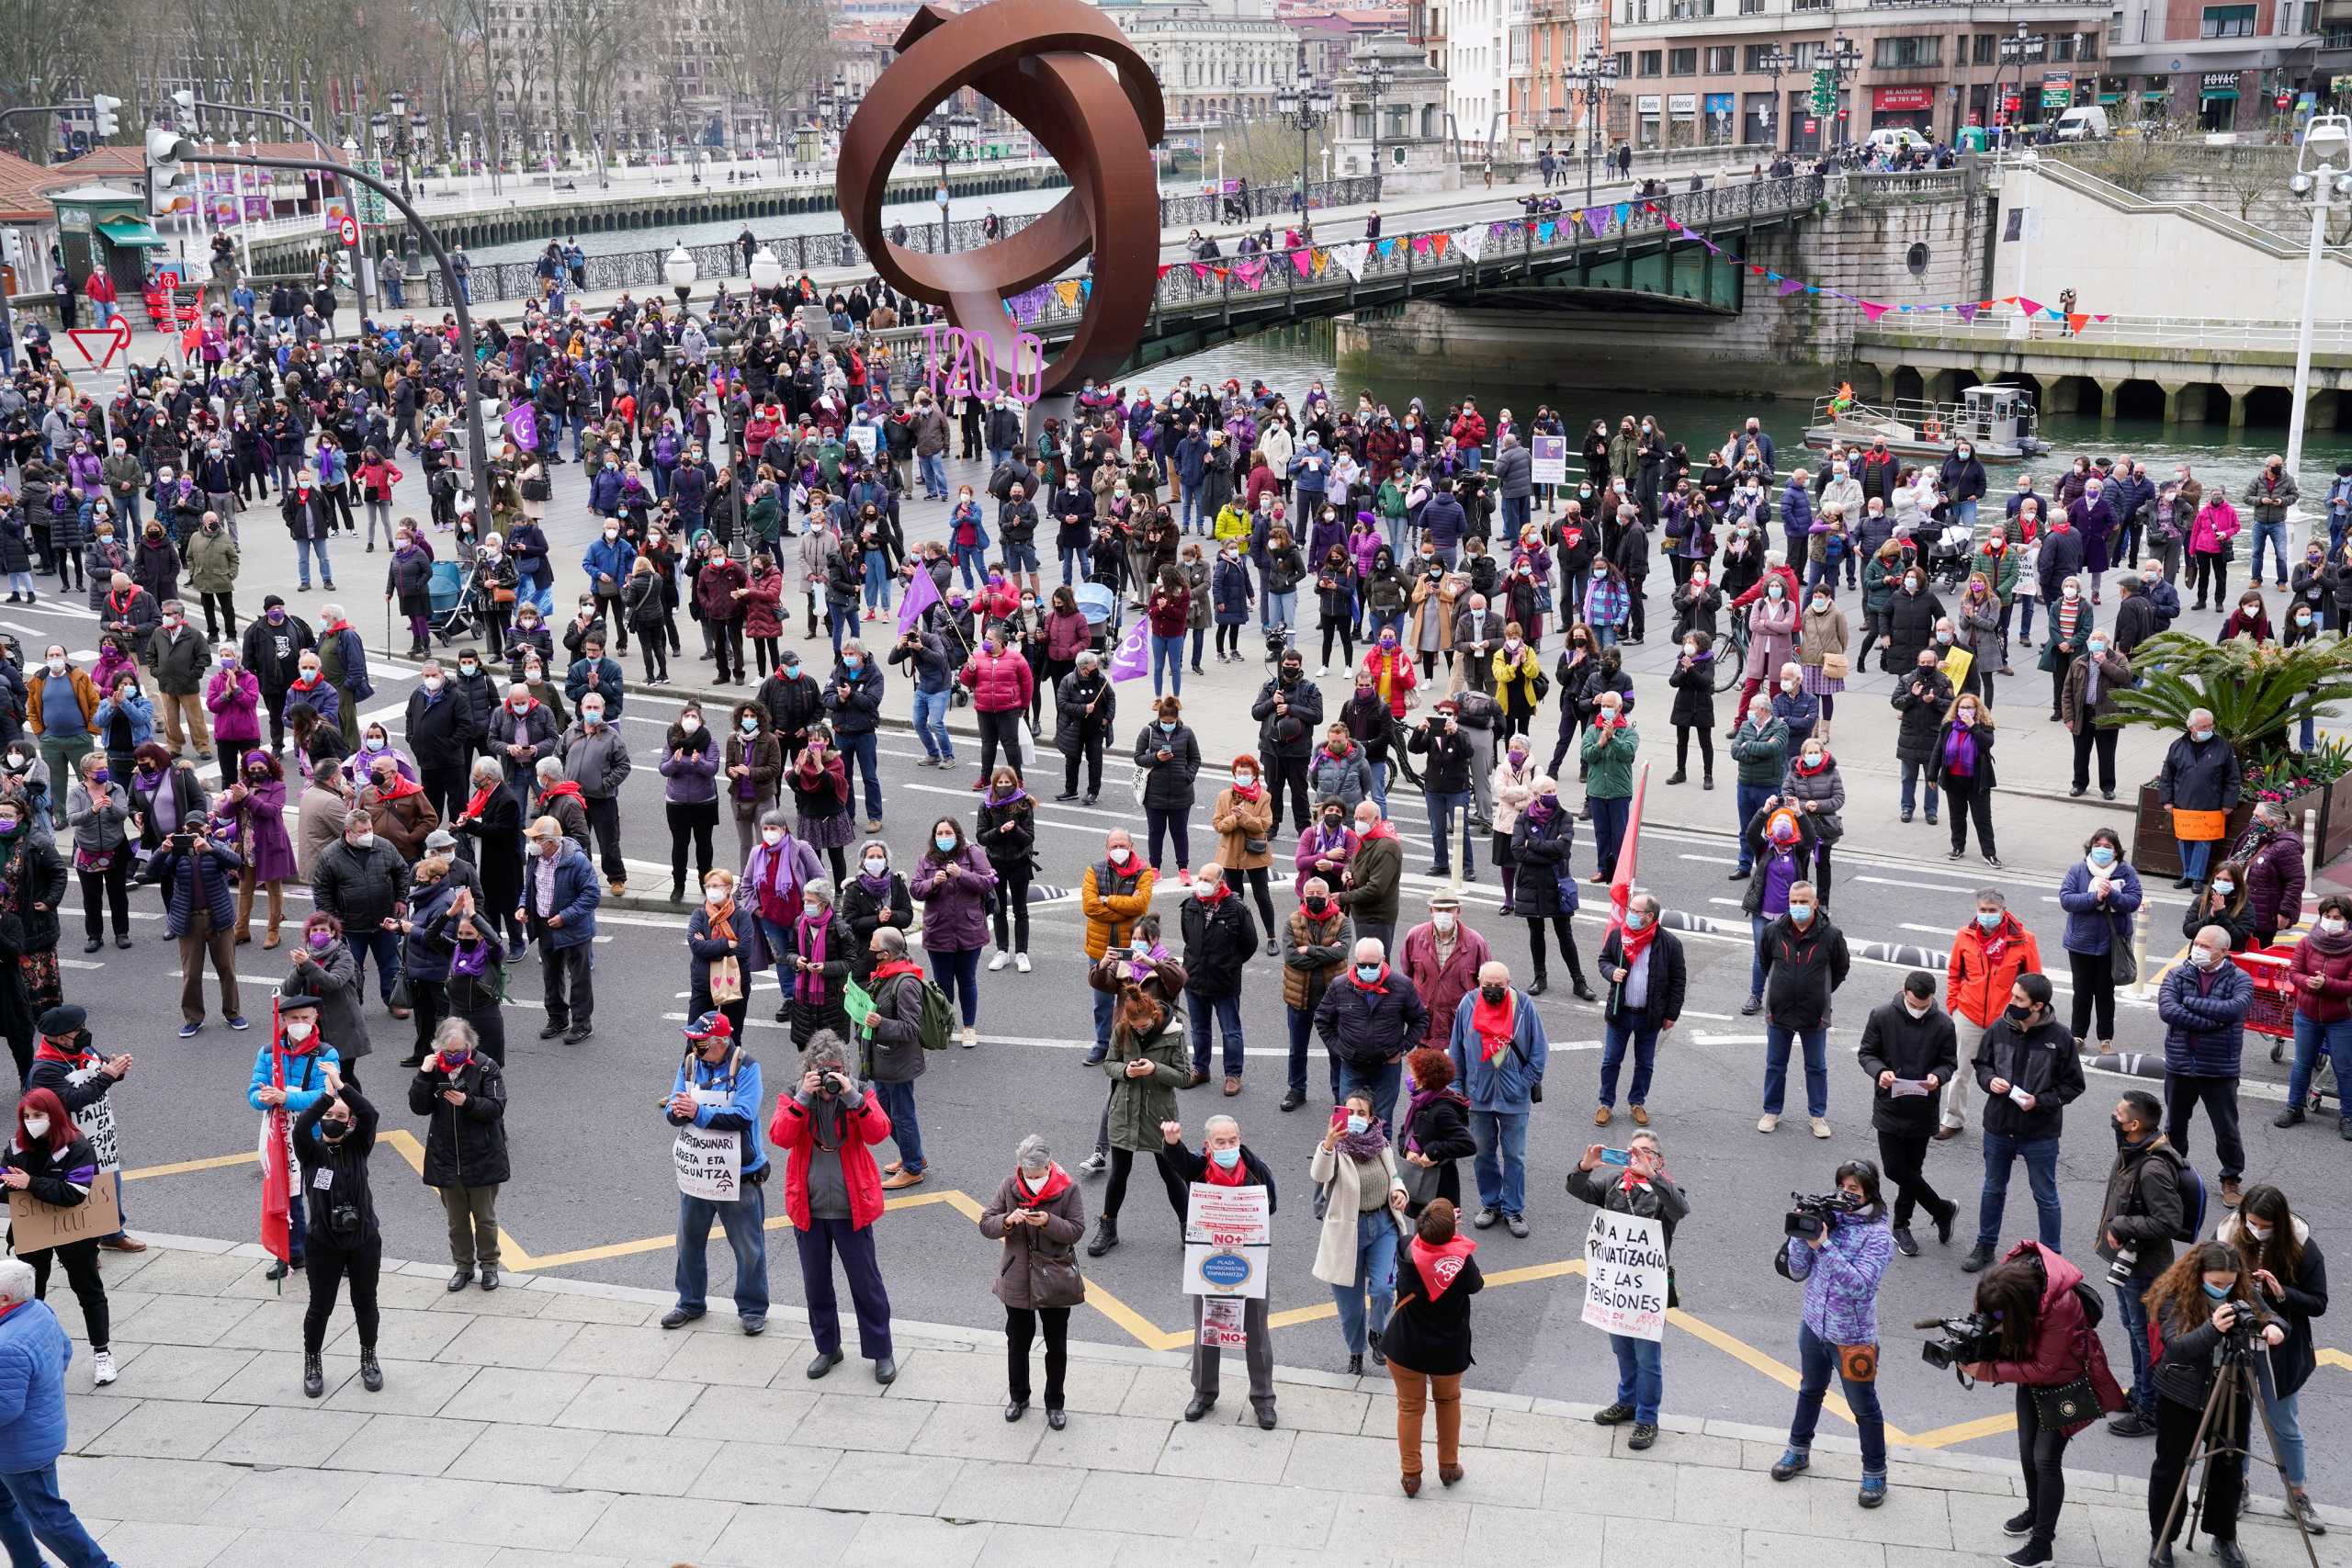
(2156, 854)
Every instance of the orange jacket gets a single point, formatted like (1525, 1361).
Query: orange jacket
(1976, 988)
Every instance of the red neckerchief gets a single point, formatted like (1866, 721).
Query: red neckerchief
(1216, 896)
(1997, 942)
(1632, 943)
(563, 787)
(478, 802)
(1438, 1267)
(1247, 791)
(1379, 985)
(401, 788)
(893, 968)
(1495, 1023)
(1810, 769)
(1057, 1183)
(1220, 1176)
(1631, 1181)
(1380, 829)
(338, 627)
(45, 1052)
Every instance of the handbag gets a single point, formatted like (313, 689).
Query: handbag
(1420, 1182)
(1258, 846)
(535, 488)
(2122, 969)
(1836, 667)
(2068, 1403)
(726, 980)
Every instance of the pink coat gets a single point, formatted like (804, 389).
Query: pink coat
(2216, 525)
(234, 698)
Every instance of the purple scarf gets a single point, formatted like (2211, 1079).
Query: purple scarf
(470, 959)
(1419, 1097)
(1960, 750)
(1364, 1145)
(809, 931)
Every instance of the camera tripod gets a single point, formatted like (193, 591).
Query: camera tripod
(2211, 1445)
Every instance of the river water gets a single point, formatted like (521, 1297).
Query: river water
(1291, 359)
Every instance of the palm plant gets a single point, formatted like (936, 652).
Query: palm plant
(2256, 692)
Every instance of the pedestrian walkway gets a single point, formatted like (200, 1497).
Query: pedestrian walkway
(553, 1422)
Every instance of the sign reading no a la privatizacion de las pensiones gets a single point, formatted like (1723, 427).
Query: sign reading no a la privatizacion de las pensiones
(1625, 1275)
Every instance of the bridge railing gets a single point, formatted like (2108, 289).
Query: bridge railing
(1509, 243)
(2127, 332)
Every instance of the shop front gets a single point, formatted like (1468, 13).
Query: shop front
(2217, 100)
(1716, 128)
(1903, 109)
(1648, 120)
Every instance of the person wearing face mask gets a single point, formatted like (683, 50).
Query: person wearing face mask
(1289, 711)
(2145, 1212)
(2224, 902)
(522, 734)
(1643, 1190)
(1364, 1198)
(1962, 762)
(1243, 820)
(1039, 1215)
(559, 900)
(1606, 761)
(2199, 783)
(1167, 761)
(1368, 882)
(2279, 1253)
(953, 881)
(1368, 1020)
(2204, 1005)
(197, 873)
(2088, 694)
(461, 1093)
(2321, 967)
(1841, 1266)
(1803, 961)
(2101, 894)
(1222, 1160)
(596, 758)
(2030, 1071)
(50, 1160)
(2193, 1304)
(853, 699)
(293, 1074)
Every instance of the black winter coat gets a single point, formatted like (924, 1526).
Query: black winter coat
(1895, 1041)
(1923, 716)
(1670, 978)
(1217, 943)
(465, 1146)
(1431, 1336)
(1442, 1131)
(1542, 856)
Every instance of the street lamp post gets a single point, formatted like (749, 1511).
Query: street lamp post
(2322, 164)
(679, 271)
(1775, 63)
(2016, 49)
(1594, 74)
(1305, 107)
(1380, 78)
(1844, 60)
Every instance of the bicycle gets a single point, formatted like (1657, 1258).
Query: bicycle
(1730, 654)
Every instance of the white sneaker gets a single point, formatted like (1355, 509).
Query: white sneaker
(102, 1368)
(971, 1037)
(1820, 1127)
(1000, 961)
(1020, 962)
(1767, 1121)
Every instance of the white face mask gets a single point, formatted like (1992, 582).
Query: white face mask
(56, 667)
(689, 724)
(771, 835)
(431, 683)
(1444, 919)
(37, 1127)
(299, 1029)
(2259, 1233)
(715, 895)
(1916, 1010)
(2333, 925)
(875, 865)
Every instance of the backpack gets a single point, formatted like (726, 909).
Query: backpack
(2192, 1203)
(2094, 1305)
(935, 1025)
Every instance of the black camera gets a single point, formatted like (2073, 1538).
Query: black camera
(344, 1220)
(1811, 1214)
(1965, 1340)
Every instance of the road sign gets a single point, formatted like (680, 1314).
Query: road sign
(98, 345)
(347, 231)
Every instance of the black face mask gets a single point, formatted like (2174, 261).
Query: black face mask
(334, 1132)
(2016, 1017)
(1494, 994)
(2122, 1131)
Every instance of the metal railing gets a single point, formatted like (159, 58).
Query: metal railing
(840, 251)
(2133, 332)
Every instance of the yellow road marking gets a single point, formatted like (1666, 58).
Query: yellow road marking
(1151, 1336)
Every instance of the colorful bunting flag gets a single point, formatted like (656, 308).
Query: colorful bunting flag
(2074, 323)
(1302, 261)
(1545, 231)
(1387, 248)
(1472, 242)
(1597, 220)
(1870, 309)
(1350, 257)
(1067, 292)
(1790, 286)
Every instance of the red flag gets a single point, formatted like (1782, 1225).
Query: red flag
(277, 1144)
(1621, 882)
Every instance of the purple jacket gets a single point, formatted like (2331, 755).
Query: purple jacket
(1314, 845)
(262, 814)
(1841, 1280)
(234, 697)
(801, 867)
(955, 909)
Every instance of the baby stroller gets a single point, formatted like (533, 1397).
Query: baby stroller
(455, 615)
(1947, 555)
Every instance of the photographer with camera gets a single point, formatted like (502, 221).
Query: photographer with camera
(1839, 1247)
(1642, 1189)
(2282, 1258)
(2206, 1320)
(2027, 1066)
(826, 1130)
(1910, 1050)
(2032, 1326)
(2145, 1212)
(333, 1138)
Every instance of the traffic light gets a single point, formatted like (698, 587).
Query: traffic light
(103, 120)
(171, 184)
(1825, 89)
(183, 110)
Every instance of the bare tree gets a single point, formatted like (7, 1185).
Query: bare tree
(793, 58)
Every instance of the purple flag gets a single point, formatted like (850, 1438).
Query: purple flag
(1597, 220)
(523, 424)
(920, 595)
(1967, 313)
(1790, 286)
(1130, 660)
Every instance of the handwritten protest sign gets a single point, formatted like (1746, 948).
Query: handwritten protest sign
(1625, 1271)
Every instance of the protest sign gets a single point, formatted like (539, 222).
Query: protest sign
(1624, 1272)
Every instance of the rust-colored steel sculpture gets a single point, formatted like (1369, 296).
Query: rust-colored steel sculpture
(1042, 63)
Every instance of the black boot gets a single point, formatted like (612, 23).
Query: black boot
(314, 1378)
(1106, 1236)
(371, 1375)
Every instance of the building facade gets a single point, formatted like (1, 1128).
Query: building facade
(2231, 67)
(1695, 72)
(1402, 130)
(1218, 60)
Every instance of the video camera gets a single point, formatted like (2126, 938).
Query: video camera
(1811, 1216)
(1965, 1340)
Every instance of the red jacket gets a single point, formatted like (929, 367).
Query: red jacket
(1001, 683)
(761, 615)
(1442, 989)
(1470, 431)
(1169, 612)
(2331, 1002)
(792, 1131)
(2064, 1345)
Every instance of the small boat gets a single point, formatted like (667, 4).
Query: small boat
(1998, 418)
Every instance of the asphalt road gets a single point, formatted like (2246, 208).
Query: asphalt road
(592, 1158)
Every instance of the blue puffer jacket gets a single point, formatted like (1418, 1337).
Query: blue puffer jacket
(210, 875)
(34, 1354)
(609, 557)
(576, 898)
(305, 1078)
(2204, 1014)
(1841, 1280)
(741, 1113)
(421, 959)
(137, 711)
(2090, 926)
(1504, 1084)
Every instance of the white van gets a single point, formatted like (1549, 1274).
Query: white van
(1889, 141)
(2083, 122)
